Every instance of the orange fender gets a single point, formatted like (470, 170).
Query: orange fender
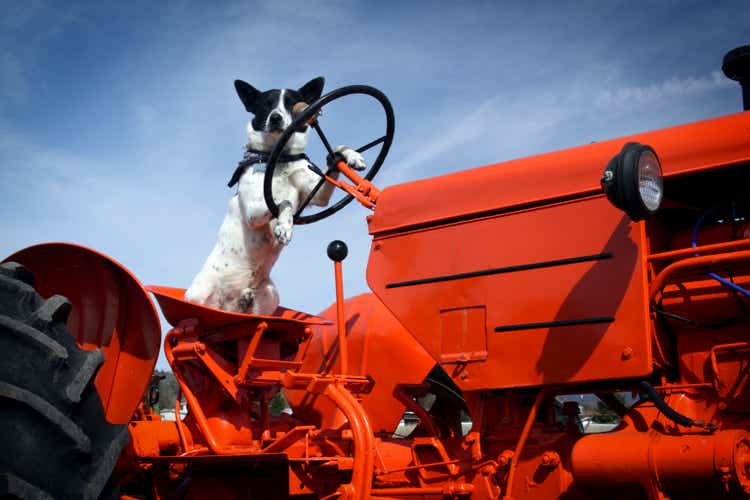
(111, 311)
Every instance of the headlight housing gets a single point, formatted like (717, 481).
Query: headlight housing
(633, 181)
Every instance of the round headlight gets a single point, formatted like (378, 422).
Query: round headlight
(633, 181)
(650, 181)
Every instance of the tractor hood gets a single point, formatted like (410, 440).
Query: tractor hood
(523, 273)
(557, 176)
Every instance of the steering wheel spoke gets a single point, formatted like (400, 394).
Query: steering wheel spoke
(372, 144)
(314, 168)
(323, 137)
(362, 190)
(311, 195)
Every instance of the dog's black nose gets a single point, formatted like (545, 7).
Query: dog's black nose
(275, 120)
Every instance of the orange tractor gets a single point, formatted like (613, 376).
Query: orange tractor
(616, 272)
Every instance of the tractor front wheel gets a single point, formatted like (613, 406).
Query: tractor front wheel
(54, 438)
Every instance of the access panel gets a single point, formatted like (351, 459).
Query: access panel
(547, 295)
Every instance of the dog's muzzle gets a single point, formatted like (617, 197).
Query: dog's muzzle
(275, 123)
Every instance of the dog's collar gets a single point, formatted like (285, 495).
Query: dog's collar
(254, 157)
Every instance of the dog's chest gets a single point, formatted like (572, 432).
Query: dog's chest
(282, 186)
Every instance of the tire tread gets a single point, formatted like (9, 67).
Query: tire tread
(12, 486)
(57, 443)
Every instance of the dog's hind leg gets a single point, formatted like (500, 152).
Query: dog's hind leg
(203, 291)
(266, 298)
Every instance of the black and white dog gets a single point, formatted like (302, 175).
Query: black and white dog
(236, 274)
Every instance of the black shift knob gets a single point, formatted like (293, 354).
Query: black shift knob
(337, 250)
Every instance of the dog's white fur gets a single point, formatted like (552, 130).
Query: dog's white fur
(236, 274)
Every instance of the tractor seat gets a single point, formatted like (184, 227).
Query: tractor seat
(176, 309)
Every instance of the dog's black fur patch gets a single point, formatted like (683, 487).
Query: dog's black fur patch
(261, 104)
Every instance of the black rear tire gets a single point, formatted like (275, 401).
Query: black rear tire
(55, 440)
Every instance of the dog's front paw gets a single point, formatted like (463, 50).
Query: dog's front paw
(283, 233)
(352, 157)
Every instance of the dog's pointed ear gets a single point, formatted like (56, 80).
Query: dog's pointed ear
(247, 94)
(312, 90)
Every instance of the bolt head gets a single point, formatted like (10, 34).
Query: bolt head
(504, 458)
(550, 459)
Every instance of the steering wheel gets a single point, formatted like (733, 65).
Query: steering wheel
(362, 185)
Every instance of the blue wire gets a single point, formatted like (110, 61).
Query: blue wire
(715, 276)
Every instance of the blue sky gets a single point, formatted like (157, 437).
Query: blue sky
(119, 124)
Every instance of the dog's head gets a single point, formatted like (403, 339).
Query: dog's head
(273, 113)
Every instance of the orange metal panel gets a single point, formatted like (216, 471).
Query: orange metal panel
(559, 175)
(529, 267)
(379, 347)
(111, 311)
(463, 334)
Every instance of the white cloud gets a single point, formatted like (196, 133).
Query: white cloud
(462, 127)
(576, 108)
(659, 91)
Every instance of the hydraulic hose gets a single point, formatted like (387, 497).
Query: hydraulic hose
(715, 276)
(670, 412)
